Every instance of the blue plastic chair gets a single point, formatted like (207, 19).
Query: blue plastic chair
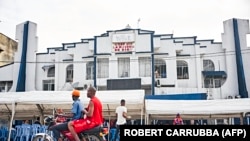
(42, 129)
(26, 133)
(34, 130)
(18, 133)
(3, 134)
(12, 135)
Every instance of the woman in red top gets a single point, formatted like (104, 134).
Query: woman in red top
(93, 114)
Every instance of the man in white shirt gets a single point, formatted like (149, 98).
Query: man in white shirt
(121, 115)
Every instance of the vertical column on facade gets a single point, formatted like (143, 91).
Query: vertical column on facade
(231, 84)
(134, 66)
(113, 67)
(23, 70)
(58, 72)
(198, 61)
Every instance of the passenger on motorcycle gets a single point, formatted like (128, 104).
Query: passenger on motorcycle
(93, 115)
(76, 113)
(60, 116)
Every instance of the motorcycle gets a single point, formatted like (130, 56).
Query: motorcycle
(95, 134)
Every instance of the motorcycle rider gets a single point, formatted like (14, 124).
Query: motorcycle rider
(93, 115)
(76, 113)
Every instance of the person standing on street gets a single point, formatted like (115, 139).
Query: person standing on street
(121, 116)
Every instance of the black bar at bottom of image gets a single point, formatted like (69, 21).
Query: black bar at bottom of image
(194, 132)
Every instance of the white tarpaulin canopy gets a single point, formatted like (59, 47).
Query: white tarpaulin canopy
(37, 103)
(26, 105)
(196, 109)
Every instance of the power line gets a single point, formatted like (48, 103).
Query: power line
(215, 54)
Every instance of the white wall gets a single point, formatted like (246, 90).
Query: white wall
(104, 44)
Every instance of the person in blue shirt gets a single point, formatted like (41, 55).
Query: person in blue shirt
(76, 113)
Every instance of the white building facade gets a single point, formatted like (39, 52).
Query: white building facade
(135, 59)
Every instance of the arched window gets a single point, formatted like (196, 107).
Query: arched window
(208, 65)
(212, 81)
(69, 73)
(182, 70)
(160, 68)
(51, 72)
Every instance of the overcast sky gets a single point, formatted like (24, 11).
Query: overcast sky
(65, 21)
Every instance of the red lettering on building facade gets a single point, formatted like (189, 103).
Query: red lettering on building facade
(123, 47)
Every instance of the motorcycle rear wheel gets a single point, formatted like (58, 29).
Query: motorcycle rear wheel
(93, 137)
(40, 138)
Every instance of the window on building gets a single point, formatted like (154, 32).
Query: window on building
(211, 82)
(208, 65)
(144, 66)
(217, 83)
(182, 70)
(208, 83)
(102, 68)
(5, 86)
(69, 73)
(90, 70)
(160, 68)
(123, 67)
(51, 72)
(49, 85)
